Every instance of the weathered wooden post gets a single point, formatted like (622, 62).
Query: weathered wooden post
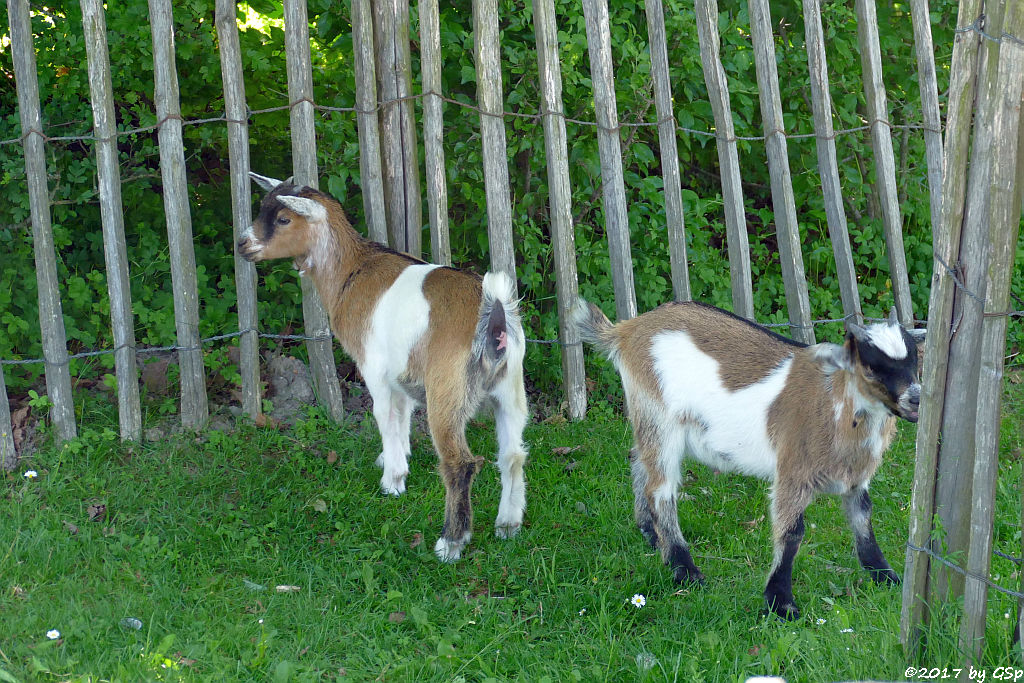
(784, 206)
(599, 45)
(51, 319)
(194, 409)
(728, 158)
(433, 131)
(492, 133)
(114, 249)
(300, 95)
(669, 151)
(241, 203)
(370, 174)
(563, 241)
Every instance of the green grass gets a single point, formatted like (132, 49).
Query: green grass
(198, 532)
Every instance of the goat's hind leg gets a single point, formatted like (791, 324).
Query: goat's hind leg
(857, 505)
(510, 416)
(656, 479)
(458, 467)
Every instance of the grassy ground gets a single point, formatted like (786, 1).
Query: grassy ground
(192, 536)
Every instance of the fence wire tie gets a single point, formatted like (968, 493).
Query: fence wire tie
(957, 281)
(971, 575)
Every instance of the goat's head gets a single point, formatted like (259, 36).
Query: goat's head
(884, 357)
(292, 223)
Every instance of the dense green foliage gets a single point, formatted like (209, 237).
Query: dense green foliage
(71, 165)
(194, 547)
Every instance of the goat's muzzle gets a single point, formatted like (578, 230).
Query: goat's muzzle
(909, 404)
(249, 249)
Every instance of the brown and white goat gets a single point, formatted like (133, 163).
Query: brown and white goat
(704, 383)
(419, 333)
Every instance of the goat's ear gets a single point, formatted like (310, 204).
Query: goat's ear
(893, 318)
(304, 206)
(263, 181)
(855, 330)
(918, 335)
(833, 357)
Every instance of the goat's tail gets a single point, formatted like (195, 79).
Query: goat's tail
(594, 327)
(499, 334)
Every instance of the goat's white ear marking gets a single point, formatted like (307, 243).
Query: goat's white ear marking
(263, 181)
(832, 357)
(311, 209)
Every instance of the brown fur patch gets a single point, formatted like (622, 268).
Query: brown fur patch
(717, 333)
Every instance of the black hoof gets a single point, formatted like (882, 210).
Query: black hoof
(886, 576)
(782, 607)
(688, 576)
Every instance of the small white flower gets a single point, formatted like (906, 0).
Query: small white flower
(820, 621)
(1006, 615)
(52, 634)
(846, 630)
(260, 621)
(638, 600)
(583, 611)
(31, 474)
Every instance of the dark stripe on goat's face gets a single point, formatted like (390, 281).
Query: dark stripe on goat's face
(894, 376)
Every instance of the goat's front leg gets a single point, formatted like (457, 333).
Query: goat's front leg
(458, 467)
(509, 420)
(857, 504)
(788, 530)
(392, 410)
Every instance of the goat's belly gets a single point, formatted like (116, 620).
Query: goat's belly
(746, 452)
(400, 319)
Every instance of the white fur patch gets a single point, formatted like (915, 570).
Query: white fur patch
(731, 431)
(310, 209)
(888, 339)
(399, 321)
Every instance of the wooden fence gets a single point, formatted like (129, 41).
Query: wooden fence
(391, 195)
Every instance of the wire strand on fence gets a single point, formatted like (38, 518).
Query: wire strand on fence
(963, 572)
(978, 26)
(533, 116)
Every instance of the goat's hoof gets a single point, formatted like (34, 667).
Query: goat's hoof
(449, 550)
(507, 529)
(886, 577)
(393, 485)
(686, 576)
(781, 607)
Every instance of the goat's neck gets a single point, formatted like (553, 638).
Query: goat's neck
(861, 419)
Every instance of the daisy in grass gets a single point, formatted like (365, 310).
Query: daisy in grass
(53, 634)
(638, 600)
(31, 474)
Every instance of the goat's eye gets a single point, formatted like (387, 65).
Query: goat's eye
(283, 220)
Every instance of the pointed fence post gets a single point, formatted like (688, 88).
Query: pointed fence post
(51, 318)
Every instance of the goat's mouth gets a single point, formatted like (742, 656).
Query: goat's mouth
(249, 250)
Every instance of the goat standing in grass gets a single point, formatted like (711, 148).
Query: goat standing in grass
(810, 419)
(419, 333)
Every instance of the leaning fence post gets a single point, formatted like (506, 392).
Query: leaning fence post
(371, 177)
(599, 45)
(194, 408)
(51, 319)
(8, 458)
(946, 239)
(241, 203)
(300, 97)
(675, 224)
(786, 226)
(492, 132)
(828, 166)
(1004, 214)
(929, 102)
(706, 12)
(885, 163)
(114, 249)
(563, 240)
(433, 131)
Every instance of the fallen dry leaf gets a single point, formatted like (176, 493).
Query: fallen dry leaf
(396, 617)
(97, 512)
(565, 450)
(19, 592)
(417, 539)
(332, 457)
(570, 466)
(263, 420)
(72, 529)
